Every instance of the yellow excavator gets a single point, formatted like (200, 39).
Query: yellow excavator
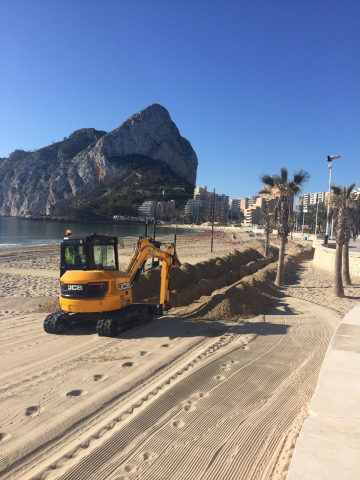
(92, 289)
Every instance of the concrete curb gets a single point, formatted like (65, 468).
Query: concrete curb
(329, 443)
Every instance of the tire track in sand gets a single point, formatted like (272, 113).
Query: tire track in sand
(235, 416)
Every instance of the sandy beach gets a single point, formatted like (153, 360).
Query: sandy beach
(217, 388)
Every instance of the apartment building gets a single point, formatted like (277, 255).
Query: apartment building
(238, 204)
(244, 203)
(200, 207)
(252, 214)
(155, 210)
(252, 200)
(235, 207)
(307, 203)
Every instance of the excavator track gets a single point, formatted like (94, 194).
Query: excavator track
(125, 319)
(109, 324)
(57, 322)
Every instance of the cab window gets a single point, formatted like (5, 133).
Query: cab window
(75, 255)
(104, 257)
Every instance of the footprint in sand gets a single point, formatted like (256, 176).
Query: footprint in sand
(225, 367)
(33, 411)
(131, 468)
(143, 353)
(232, 453)
(148, 456)
(165, 345)
(190, 407)
(76, 393)
(98, 378)
(4, 436)
(127, 364)
(220, 377)
(178, 423)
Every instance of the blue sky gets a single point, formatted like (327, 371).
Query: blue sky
(253, 86)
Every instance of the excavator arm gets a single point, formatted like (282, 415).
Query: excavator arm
(145, 249)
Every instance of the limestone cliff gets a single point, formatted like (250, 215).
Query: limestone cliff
(34, 182)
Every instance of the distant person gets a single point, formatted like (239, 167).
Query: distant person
(68, 233)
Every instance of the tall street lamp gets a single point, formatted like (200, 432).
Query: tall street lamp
(330, 160)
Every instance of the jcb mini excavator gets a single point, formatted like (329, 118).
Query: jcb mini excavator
(92, 289)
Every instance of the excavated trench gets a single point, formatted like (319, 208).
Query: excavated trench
(238, 285)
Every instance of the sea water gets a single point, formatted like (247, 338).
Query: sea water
(17, 232)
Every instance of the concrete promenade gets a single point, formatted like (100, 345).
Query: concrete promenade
(328, 447)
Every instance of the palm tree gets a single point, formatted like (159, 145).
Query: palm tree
(266, 219)
(341, 203)
(284, 188)
(354, 219)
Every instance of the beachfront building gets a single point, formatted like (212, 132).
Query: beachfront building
(308, 202)
(244, 203)
(199, 208)
(252, 200)
(155, 210)
(235, 207)
(252, 214)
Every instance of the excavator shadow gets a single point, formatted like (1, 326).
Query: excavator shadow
(171, 328)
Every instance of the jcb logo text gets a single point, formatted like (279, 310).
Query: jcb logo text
(75, 287)
(124, 286)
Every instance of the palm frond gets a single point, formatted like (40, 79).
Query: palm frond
(284, 175)
(336, 190)
(294, 188)
(267, 179)
(301, 176)
(350, 189)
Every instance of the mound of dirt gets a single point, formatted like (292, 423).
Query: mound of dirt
(250, 296)
(49, 307)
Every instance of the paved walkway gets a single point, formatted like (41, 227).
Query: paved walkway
(329, 443)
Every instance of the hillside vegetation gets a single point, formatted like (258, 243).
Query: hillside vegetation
(148, 179)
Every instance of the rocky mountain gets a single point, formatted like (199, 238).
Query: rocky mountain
(36, 183)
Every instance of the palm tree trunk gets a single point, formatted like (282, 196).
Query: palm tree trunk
(279, 281)
(338, 289)
(267, 243)
(345, 264)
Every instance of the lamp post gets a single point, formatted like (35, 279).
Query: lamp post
(317, 211)
(330, 160)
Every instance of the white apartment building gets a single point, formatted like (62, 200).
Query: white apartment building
(307, 203)
(200, 207)
(156, 210)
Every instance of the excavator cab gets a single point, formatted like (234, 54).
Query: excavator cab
(94, 252)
